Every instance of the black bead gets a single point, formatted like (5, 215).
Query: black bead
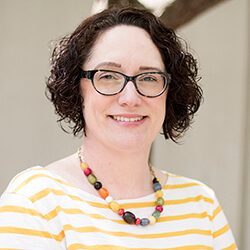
(155, 180)
(129, 217)
(97, 185)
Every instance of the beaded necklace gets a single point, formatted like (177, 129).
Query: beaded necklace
(127, 216)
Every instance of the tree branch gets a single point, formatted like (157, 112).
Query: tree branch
(176, 14)
(181, 12)
(125, 3)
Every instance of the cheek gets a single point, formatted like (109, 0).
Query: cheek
(161, 110)
(87, 100)
(95, 106)
(162, 104)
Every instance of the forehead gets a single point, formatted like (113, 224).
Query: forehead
(127, 45)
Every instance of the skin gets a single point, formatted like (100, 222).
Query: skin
(124, 43)
(118, 151)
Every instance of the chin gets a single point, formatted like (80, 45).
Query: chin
(134, 143)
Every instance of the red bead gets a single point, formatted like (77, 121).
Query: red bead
(121, 211)
(87, 171)
(159, 208)
(137, 221)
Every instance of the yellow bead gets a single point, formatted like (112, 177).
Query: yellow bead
(152, 220)
(84, 165)
(114, 206)
(159, 194)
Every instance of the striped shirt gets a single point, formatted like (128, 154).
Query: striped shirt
(40, 210)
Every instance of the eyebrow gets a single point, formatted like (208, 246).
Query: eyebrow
(113, 64)
(150, 68)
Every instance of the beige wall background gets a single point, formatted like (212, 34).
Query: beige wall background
(217, 148)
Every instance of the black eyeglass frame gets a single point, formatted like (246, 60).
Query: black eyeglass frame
(89, 74)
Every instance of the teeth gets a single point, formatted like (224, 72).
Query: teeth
(126, 119)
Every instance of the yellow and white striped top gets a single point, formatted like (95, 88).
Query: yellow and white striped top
(40, 210)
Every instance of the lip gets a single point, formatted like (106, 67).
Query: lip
(128, 115)
(128, 119)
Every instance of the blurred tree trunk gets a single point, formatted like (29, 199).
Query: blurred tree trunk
(178, 12)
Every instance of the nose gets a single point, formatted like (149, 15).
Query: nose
(129, 96)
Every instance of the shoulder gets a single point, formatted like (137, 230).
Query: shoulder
(38, 178)
(196, 186)
(34, 180)
(192, 198)
(190, 192)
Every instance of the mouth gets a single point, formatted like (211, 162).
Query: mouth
(120, 118)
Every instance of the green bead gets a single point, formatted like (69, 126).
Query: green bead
(160, 201)
(92, 179)
(156, 214)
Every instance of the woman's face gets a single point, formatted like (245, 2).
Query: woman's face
(126, 121)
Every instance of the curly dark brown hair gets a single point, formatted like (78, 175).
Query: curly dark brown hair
(71, 52)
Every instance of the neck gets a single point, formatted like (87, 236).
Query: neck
(125, 174)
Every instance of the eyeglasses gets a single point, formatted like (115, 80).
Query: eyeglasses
(109, 82)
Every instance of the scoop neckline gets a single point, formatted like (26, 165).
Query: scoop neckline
(129, 200)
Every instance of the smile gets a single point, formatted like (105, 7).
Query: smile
(127, 119)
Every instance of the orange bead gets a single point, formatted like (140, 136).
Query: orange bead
(103, 192)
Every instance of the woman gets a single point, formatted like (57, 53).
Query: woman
(120, 78)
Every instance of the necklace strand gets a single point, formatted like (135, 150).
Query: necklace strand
(127, 216)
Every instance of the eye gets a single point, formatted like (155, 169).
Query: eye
(108, 76)
(148, 78)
